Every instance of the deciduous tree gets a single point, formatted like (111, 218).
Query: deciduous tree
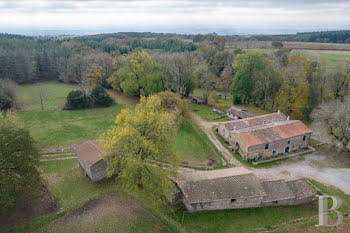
(19, 161)
(139, 147)
(247, 67)
(139, 75)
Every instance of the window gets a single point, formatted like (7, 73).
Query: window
(266, 146)
(288, 142)
(304, 138)
(300, 146)
(233, 200)
(236, 144)
(273, 152)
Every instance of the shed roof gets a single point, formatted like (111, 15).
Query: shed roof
(91, 152)
(272, 132)
(206, 186)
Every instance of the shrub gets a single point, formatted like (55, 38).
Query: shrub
(77, 100)
(97, 97)
(100, 97)
(7, 94)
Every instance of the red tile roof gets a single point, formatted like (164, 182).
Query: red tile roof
(272, 132)
(91, 152)
(253, 121)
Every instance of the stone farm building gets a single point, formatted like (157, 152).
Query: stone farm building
(90, 159)
(197, 99)
(236, 113)
(236, 188)
(265, 136)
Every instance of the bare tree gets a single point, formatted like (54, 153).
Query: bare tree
(335, 118)
(42, 94)
(178, 68)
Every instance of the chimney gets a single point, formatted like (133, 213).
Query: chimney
(278, 111)
(288, 118)
(234, 129)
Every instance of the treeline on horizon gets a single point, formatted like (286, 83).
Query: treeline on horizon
(336, 36)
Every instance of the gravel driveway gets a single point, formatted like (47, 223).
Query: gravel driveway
(327, 167)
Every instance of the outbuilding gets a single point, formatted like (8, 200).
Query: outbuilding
(90, 156)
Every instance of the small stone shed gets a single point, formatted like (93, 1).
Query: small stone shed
(226, 128)
(90, 155)
(197, 99)
(238, 113)
(238, 187)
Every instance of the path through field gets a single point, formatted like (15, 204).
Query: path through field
(207, 128)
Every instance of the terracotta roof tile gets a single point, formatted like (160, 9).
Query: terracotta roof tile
(91, 152)
(272, 132)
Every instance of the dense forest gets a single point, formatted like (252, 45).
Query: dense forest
(139, 66)
(321, 37)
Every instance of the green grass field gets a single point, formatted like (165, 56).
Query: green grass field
(54, 127)
(330, 59)
(192, 145)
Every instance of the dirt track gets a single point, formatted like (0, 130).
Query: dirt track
(207, 128)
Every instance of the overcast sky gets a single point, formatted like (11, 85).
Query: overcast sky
(191, 16)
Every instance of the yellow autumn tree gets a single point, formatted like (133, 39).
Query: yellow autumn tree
(139, 147)
(293, 95)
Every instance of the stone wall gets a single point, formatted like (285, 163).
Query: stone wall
(98, 170)
(223, 132)
(274, 148)
(238, 203)
(85, 167)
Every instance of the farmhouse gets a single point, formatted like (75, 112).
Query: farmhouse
(265, 136)
(235, 188)
(266, 140)
(90, 159)
(238, 113)
(225, 129)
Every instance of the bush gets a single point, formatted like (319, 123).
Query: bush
(100, 97)
(97, 97)
(7, 94)
(277, 44)
(77, 100)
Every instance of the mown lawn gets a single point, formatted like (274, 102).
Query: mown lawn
(53, 127)
(192, 144)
